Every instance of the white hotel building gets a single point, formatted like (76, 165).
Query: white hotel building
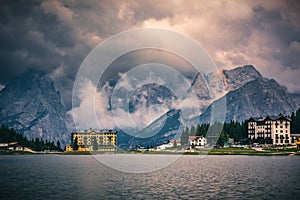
(197, 141)
(274, 130)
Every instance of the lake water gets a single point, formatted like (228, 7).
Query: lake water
(189, 177)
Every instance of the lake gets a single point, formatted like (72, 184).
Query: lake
(186, 177)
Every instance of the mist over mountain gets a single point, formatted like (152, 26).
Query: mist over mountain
(31, 105)
(245, 93)
(165, 128)
(151, 95)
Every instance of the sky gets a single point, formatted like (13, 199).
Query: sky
(55, 36)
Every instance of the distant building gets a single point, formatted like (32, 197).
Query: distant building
(171, 144)
(163, 147)
(19, 148)
(197, 141)
(296, 140)
(230, 141)
(273, 130)
(3, 146)
(174, 143)
(13, 146)
(103, 140)
(69, 148)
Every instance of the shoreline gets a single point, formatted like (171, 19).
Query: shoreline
(249, 152)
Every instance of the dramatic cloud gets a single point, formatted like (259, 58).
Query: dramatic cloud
(95, 113)
(244, 32)
(55, 36)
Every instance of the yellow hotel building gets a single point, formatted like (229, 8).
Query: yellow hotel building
(91, 140)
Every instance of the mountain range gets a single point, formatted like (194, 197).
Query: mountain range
(243, 90)
(32, 105)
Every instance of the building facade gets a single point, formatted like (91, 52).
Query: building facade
(102, 140)
(197, 141)
(272, 130)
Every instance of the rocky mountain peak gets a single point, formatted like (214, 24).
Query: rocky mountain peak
(31, 105)
(239, 76)
(200, 87)
(216, 84)
(259, 97)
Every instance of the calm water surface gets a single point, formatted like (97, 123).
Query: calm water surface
(190, 177)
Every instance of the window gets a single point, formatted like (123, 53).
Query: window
(281, 131)
(281, 136)
(281, 126)
(281, 141)
(276, 141)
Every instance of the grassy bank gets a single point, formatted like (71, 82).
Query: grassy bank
(14, 153)
(244, 151)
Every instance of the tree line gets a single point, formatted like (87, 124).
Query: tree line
(295, 124)
(8, 135)
(233, 129)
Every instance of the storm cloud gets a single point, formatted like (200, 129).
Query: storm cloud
(55, 36)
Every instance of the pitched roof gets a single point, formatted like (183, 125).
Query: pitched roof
(195, 137)
(271, 117)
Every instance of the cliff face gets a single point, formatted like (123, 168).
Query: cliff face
(216, 84)
(259, 97)
(239, 76)
(31, 105)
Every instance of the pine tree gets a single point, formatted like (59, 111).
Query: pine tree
(58, 145)
(185, 136)
(223, 138)
(198, 130)
(193, 131)
(296, 122)
(75, 144)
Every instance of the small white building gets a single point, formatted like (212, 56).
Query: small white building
(163, 147)
(13, 146)
(197, 141)
(19, 148)
(174, 143)
(3, 146)
(171, 144)
(273, 130)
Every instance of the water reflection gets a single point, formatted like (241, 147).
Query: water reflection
(212, 177)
